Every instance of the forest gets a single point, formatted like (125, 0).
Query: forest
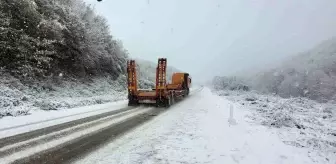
(46, 38)
(59, 54)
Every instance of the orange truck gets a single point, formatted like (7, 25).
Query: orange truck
(164, 94)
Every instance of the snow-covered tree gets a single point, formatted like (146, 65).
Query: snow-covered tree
(45, 37)
(23, 51)
(310, 74)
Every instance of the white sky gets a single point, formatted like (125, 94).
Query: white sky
(211, 37)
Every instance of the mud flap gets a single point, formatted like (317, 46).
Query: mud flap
(132, 101)
(164, 103)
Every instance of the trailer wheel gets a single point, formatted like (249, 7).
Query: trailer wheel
(160, 103)
(157, 104)
(167, 102)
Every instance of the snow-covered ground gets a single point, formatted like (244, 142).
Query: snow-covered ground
(39, 119)
(197, 130)
(17, 99)
(59, 139)
(299, 122)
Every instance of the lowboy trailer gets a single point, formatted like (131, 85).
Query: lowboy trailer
(164, 94)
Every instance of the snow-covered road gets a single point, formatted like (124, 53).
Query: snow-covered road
(197, 131)
(10, 126)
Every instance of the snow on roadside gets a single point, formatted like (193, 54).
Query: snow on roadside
(67, 138)
(299, 122)
(17, 99)
(197, 131)
(39, 119)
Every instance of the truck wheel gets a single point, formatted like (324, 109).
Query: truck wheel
(160, 103)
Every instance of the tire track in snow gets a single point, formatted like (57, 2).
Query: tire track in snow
(55, 151)
(7, 150)
(80, 146)
(53, 119)
(47, 130)
(152, 148)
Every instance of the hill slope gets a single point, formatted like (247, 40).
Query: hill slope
(49, 37)
(311, 74)
(58, 54)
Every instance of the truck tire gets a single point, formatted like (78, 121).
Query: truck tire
(164, 103)
(160, 103)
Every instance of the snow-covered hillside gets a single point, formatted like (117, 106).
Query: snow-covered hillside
(50, 37)
(57, 54)
(17, 98)
(311, 74)
(300, 122)
(60, 54)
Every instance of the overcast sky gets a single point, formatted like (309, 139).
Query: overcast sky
(212, 37)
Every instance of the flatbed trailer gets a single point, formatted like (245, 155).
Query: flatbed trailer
(163, 94)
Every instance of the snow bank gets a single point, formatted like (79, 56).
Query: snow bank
(301, 122)
(38, 119)
(18, 99)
